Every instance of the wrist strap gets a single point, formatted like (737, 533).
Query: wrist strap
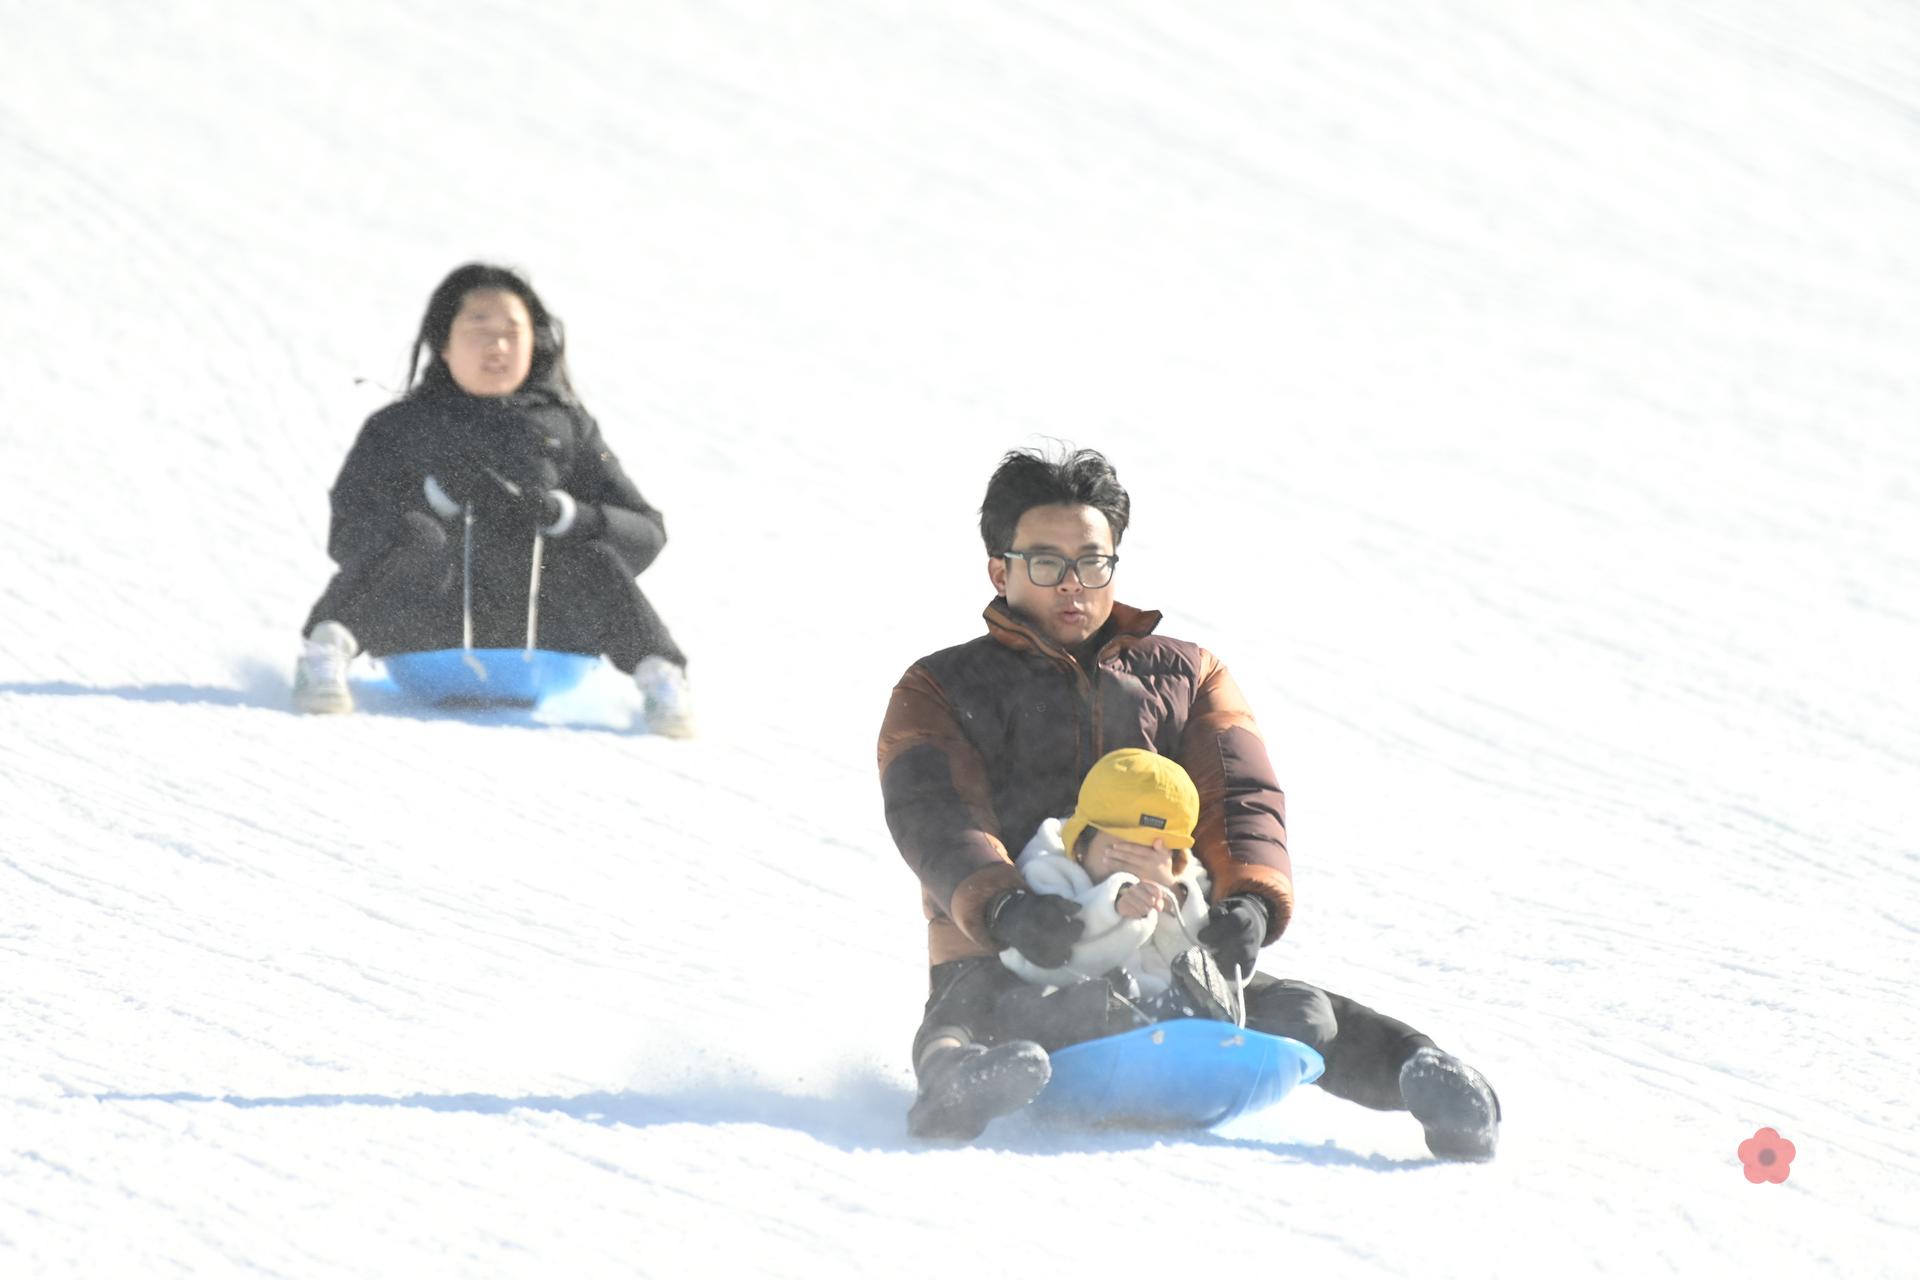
(569, 512)
(437, 498)
(993, 912)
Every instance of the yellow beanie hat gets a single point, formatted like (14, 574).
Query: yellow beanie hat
(1139, 797)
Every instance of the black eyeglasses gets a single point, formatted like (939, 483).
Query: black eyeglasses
(1045, 569)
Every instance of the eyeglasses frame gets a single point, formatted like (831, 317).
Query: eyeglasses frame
(1112, 562)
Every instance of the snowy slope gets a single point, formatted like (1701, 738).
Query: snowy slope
(1520, 397)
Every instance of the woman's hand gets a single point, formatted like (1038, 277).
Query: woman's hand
(535, 504)
(454, 481)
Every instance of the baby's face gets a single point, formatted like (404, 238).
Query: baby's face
(1107, 855)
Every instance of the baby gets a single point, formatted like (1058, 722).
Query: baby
(1124, 855)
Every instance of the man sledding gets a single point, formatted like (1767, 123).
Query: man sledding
(985, 741)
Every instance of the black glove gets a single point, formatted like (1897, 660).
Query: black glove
(1040, 926)
(532, 503)
(1235, 928)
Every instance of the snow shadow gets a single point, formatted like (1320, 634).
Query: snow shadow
(257, 684)
(862, 1113)
(268, 690)
(177, 694)
(1021, 1135)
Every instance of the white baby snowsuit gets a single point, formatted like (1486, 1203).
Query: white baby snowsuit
(1143, 947)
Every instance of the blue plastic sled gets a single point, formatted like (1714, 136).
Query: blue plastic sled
(1184, 1074)
(518, 676)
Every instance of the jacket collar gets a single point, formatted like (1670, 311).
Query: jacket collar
(1015, 632)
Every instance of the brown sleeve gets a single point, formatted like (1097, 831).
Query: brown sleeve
(1242, 836)
(940, 806)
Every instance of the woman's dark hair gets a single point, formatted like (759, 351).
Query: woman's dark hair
(1027, 478)
(436, 326)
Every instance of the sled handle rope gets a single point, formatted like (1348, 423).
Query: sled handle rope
(533, 592)
(1239, 979)
(1239, 987)
(1145, 1017)
(466, 594)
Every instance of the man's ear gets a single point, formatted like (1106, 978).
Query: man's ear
(997, 574)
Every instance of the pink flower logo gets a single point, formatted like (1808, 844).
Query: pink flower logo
(1766, 1156)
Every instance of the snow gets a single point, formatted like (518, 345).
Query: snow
(1519, 397)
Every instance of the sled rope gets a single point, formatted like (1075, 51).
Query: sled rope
(533, 592)
(466, 595)
(1239, 982)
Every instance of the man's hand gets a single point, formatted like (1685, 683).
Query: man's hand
(1235, 928)
(1040, 926)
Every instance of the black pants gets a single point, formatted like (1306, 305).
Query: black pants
(410, 598)
(981, 1000)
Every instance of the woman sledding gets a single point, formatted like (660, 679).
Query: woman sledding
(483, 509)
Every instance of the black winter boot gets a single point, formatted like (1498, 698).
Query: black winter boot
(963, 1087)
(1453, 1102)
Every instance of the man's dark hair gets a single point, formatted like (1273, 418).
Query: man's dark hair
(1027, 478)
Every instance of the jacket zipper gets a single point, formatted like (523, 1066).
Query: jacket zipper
(1093, 702)
(1087, 747)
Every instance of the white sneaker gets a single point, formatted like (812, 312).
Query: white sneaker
(320, 677)
(669, 701)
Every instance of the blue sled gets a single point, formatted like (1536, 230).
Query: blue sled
(1185, 1074)
(517, 676)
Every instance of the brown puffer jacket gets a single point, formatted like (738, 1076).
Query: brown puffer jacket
(984, 740)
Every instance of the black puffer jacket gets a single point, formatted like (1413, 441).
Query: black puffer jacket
(519, 436)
